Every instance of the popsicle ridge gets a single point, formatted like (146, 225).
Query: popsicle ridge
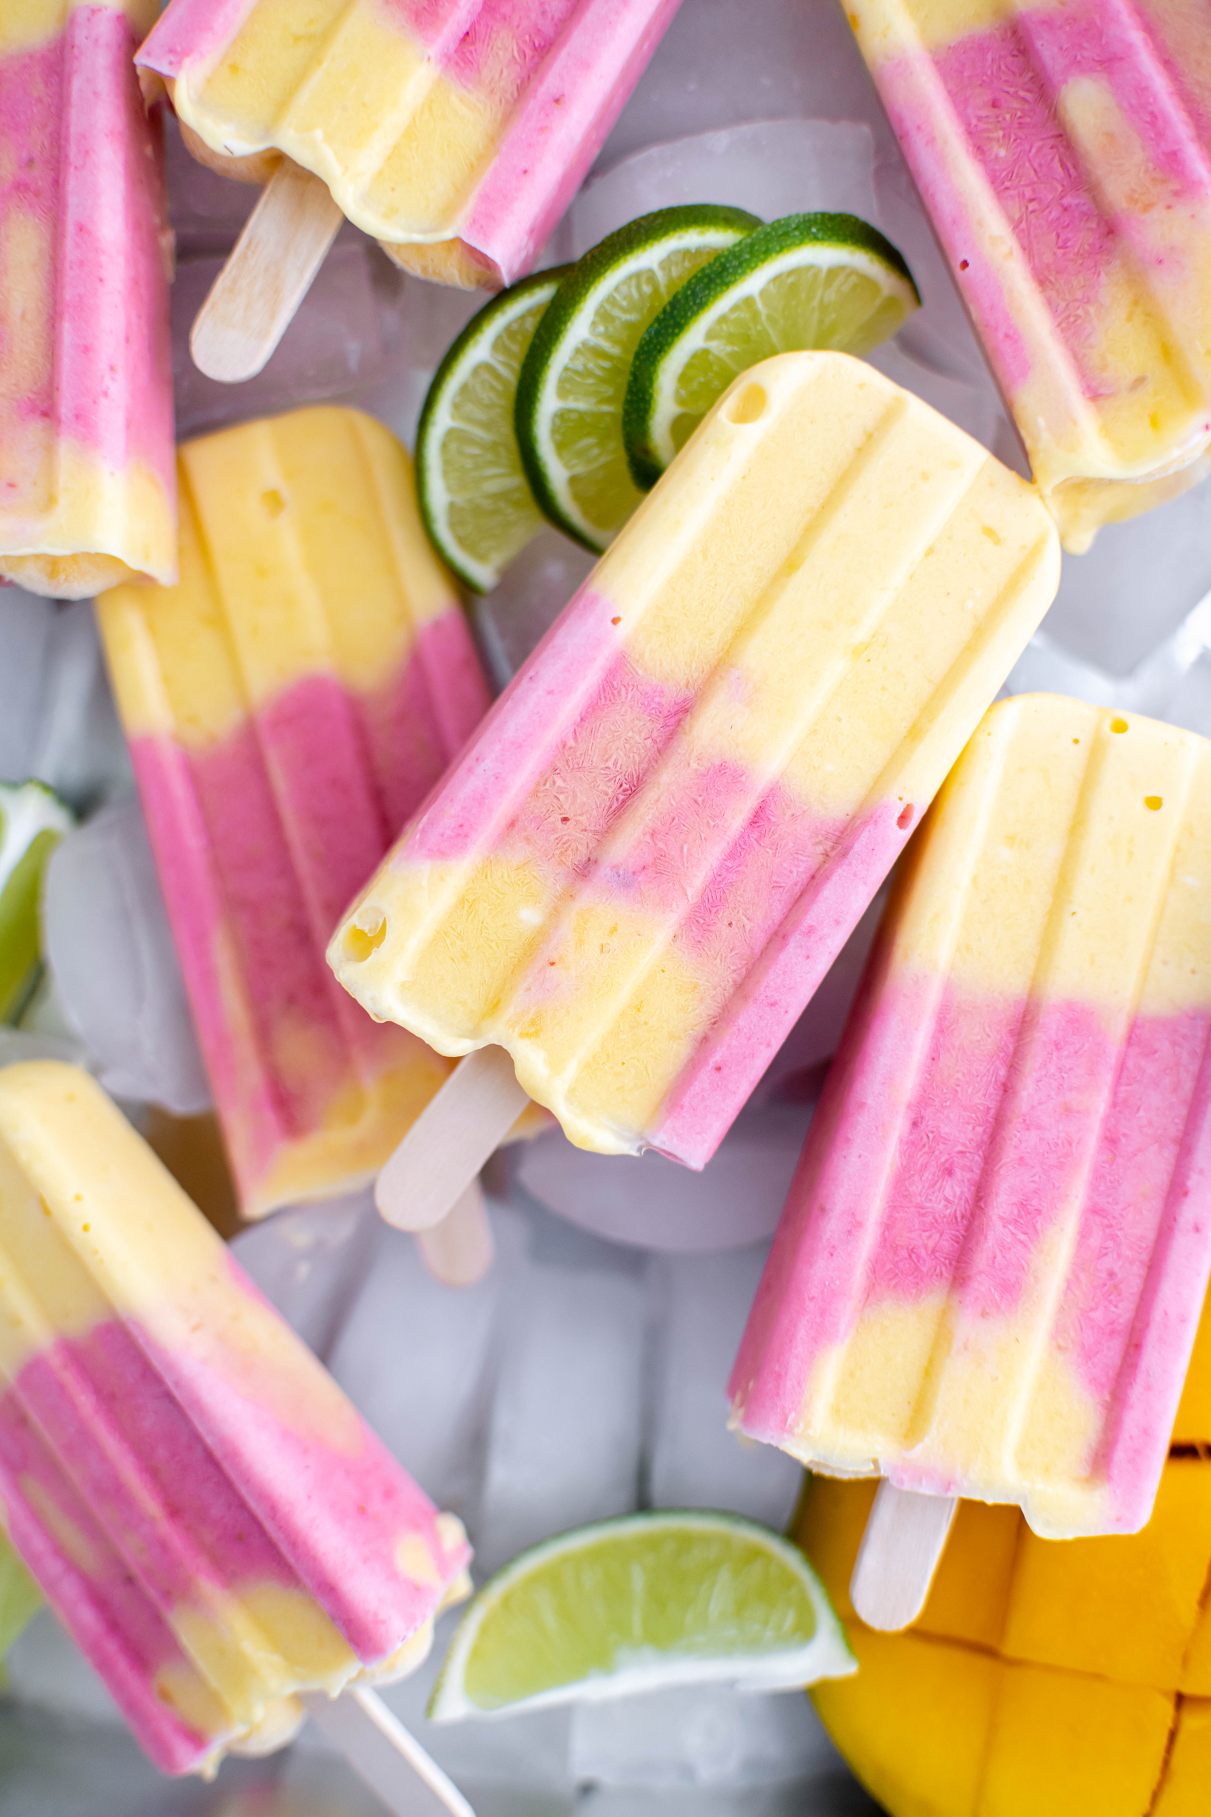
(366, 94)
(1064, 151)
(87, 496)
(655, 846)
(994, 1252)
(194, 1490)
(288, 707)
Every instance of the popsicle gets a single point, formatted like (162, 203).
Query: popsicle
(640, 869)
(990, 1267)
(208, 1515)
(289, 704)
(1064, 154)
(455, 132)
(87, 479)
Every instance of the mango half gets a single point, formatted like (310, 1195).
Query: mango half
(1043, 1677)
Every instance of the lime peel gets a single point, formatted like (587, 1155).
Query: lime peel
(770, 294)
(573, 380)
(474, 497)
(677, 1597)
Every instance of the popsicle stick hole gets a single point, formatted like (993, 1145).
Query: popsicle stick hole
(1118, 725)
(365, 934)
(273, 502)
(748, 405)
(1153, 802)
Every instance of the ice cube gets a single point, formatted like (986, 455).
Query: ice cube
(344, 342)
(524, 1753)
(655, 1203)
(311, 1261)
(114, 967)
(1190, 705)
(564, 1437)
(700, 1735)
(533, 592)
(57, 719)
(699, 1307)
(770, 167)
(1136, 585)
(974, 407)
(416, 1357)
(1170, 683)
(722, 64)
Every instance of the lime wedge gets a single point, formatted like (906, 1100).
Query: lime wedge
(569, 395)
(32, 822)
(639, 1603)
(474, 497)
(817, 280)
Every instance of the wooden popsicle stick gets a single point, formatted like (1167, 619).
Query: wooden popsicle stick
(384, 1755)
(459, 1250)
(904, 1539)
(450, 1141)
(271, 268)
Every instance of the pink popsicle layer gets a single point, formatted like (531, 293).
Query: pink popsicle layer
(499, 110)
(288, 708)
(85, 367)
(1064, 151)
(206, 1511)
(1008, 1195)
(644, 863)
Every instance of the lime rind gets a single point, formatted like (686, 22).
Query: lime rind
(475, 501)
(810, 1644)
(748, 305)
(569, 394)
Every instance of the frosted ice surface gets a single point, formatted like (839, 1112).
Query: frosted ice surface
(57, 719)
(655, 1203)
(311, 1262)
(533, 592)
(564, 1440)
(699, 1307)
(1171, 682)
(527, 1750)
(1136, 585)
(974, 407)
(416, 1358)
(770, 167)
(836, 1794)
(722, 63)
(700, 1735)
(343, 343)
(114, 967)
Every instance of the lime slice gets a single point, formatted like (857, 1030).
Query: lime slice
(569, 395)
(639, 1603)
(32, 822)
(474, 497)
(815, 280)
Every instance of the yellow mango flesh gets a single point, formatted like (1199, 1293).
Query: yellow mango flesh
(1043, 1678)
